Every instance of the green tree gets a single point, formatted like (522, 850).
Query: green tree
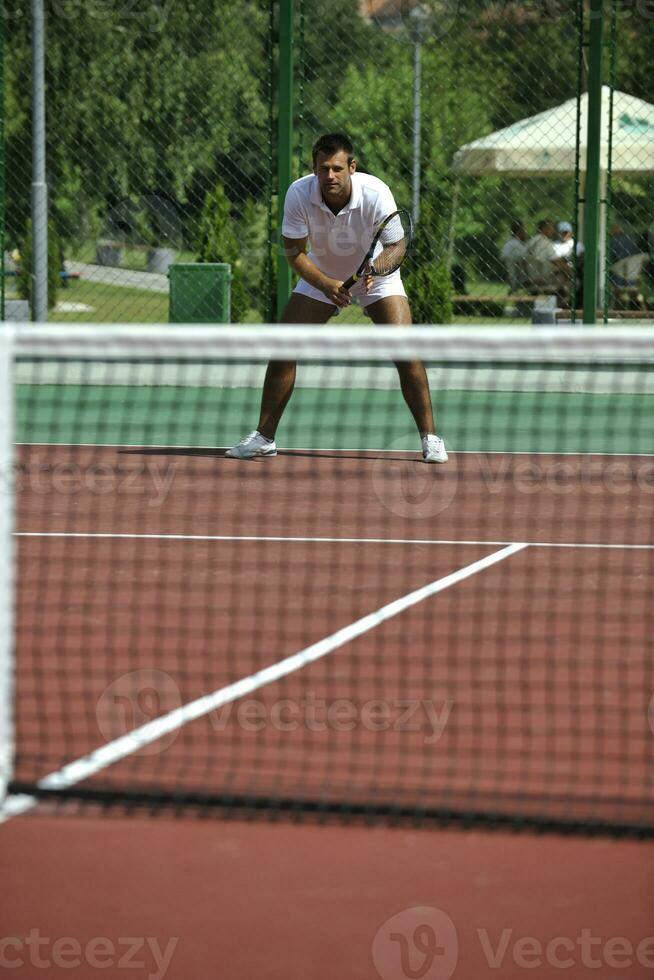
(140, 98)
(426, 272)
(218, 241)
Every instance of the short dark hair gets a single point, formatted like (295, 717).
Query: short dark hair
(330, 143)
(517, 226)
(543, 224)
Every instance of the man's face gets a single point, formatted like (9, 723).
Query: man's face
(333, 173)
(548, 230)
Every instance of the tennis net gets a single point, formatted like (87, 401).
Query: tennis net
(340, 629)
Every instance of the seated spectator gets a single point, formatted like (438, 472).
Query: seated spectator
(547, 272)
(513, 255)
(564, 246)
(622, 244)
(647, 240)
(626, 259)
(565, 249)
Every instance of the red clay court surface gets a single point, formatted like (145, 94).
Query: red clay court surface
(253, 899)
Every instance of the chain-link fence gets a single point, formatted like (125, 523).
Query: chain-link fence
(159, 149)
(628, 145)
(420, 87)
(161, 146)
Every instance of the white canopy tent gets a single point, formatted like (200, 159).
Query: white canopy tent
(545, 144)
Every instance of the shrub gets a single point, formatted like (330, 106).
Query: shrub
(425, 272)
(430, 292)
(218, 241)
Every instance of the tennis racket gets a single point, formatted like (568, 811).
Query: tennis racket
(388, 250)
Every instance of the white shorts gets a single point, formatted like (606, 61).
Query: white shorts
(382, 286)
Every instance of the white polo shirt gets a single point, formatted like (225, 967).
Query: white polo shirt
(540, 255)
(338, 242)
(513, 254)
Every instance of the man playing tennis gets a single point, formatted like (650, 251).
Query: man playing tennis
(338, 209)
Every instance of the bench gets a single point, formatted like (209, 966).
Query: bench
(478, 300)
(612, 314)
(498, 298)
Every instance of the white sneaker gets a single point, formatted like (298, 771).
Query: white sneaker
(253, 445)
(433, 449)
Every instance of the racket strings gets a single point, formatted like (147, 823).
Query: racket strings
(394, 239)
(390, 258)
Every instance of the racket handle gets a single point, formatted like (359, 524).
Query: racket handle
(350, 282)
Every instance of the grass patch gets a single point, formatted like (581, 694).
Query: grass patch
(134, 259)
(111, 304)
(116, 304)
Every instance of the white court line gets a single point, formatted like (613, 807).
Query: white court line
(311, 449)
(112, 752)
(15, 806)
(309, 540)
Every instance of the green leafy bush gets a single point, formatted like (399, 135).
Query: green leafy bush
(430, 292)
(426, 275)
(218, 241)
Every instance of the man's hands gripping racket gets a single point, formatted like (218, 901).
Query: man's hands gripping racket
(388, 249)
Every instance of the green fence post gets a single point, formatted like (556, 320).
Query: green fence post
(591, 224)
(284, 142)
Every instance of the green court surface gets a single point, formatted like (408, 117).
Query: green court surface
(333, 418)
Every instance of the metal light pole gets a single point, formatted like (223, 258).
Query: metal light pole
(419, 19)
(284, 142)
(39, 186)
(593, 162)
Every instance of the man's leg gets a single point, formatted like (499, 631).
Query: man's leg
(413, 377)
(280, 375)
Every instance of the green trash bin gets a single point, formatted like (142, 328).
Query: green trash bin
(200, 292)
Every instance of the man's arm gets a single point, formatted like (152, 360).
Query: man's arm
(560, 264)
(300, 263)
